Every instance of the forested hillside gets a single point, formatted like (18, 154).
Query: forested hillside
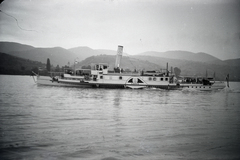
(18, 66)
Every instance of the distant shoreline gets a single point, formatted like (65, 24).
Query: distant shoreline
(31, 75)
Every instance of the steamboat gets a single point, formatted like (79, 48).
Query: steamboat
(100, 76)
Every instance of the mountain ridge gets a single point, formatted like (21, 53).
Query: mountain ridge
(189, 65)
(183, 55)
(7, 47)
(57, 55)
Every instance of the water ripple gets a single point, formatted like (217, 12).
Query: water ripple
(42, 122)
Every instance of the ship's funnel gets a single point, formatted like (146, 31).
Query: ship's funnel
(119, 56)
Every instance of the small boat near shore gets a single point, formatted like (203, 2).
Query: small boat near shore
(100, 76)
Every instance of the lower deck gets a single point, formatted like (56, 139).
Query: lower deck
(114, 82)
(213, 86)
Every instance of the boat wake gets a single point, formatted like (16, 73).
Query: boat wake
(154, 88)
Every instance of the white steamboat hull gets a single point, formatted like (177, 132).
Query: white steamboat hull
(45, 80)
(105, 83)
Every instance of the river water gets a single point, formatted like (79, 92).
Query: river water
(42, 122)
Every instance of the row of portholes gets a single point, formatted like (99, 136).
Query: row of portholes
(101, 77)
(154, 79)
(197, 87)
(150, 78)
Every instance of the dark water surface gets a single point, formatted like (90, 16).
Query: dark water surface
(40, 122)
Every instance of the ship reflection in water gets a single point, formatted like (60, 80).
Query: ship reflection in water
(45, 122)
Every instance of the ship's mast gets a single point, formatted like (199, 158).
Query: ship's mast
(167, 70)
(119, 56)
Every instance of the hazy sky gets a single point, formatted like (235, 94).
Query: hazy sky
(211, 26)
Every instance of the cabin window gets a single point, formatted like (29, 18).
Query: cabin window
(101, 77)
(161, 79)
(154, 78)
(120, 77)
(166, 79)
(149, 78)
(95, 77)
